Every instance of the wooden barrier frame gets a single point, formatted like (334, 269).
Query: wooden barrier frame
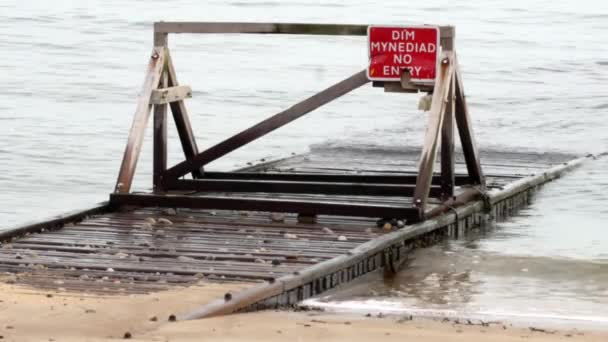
(161, 88)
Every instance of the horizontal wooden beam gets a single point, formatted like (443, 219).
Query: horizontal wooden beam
(303, 187)
(271, 28)
(171, 94)
(323, 177)
(262, 204)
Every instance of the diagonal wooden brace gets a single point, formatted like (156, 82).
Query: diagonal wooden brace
(436, 118)
(140, 120)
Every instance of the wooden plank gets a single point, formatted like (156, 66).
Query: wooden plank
(170, 94)
(465, 131)
(140, 120)
(436, 114)
(325, 177)
(53, 222)
(269, 28)
(268, 125)
(159, 163)
(182, 121)
(262, 204)
(304, 187)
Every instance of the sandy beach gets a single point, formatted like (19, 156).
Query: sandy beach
(32, 315)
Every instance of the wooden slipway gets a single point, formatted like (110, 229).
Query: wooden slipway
(105, 251)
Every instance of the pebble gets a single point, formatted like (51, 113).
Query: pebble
(400, 224)
(164, 221)
(169, 212)
(110, 270)
(260, 261)
(150, 220)
(121, 255)
(277, 217)
(387, 226)
(11, 279)
(290, 236)
(146, 226)
(127, 335)
(342, 238)
(328, 231)
(275, 262)
(185, 258)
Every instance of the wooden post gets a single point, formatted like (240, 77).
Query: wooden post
(465, 131)
(182, 122)
(160, 140)
(436, 114)
(140, 120)
(447, 133)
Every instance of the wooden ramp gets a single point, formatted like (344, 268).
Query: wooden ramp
(139, 250)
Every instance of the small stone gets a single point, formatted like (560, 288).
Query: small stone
(127, 335)
(153, 319)
(169, 212)
(276, 262)
(328, 231)
(342, 238)
(110, 270)
(400, 224)
(150, 220)
(277, 217)
(290, 236)
(262, 249)
(228, 296)
(213, 213)
(164, 221)
(387, 227)
(146, 226)
(11, 279)
(260, 261)
(185, 258)
(18, 256)
(121, 255)
(49, 295)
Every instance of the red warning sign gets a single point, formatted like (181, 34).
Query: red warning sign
(393, 49)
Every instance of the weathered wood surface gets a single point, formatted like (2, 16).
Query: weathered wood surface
(182, 121)
(170, 94)
(271, 28)
(140, 120)
(433, 130)
(159, 163)
(226, 245)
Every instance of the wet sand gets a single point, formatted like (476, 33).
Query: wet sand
(34, 315)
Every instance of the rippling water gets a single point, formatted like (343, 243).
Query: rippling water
(536, 74)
